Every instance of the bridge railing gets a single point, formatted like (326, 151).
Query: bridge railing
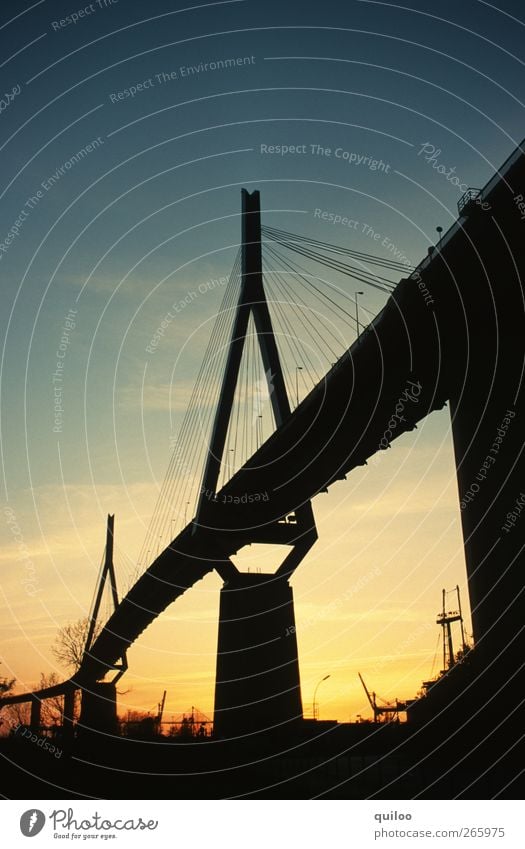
(470, 196)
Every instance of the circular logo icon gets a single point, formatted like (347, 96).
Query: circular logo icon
(32, 822)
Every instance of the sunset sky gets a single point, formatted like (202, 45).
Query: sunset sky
(96, 247)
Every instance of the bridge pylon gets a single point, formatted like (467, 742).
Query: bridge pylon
(257, 684)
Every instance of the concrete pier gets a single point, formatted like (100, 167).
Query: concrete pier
(257, 685)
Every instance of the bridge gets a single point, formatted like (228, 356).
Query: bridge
(451, 332)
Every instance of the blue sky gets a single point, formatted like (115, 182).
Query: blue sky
(150, 211)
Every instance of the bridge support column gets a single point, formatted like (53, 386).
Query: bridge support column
(488, 421)
(491, 490)
(35, 719)
(257, 685)
(68, 714)
(99, 709)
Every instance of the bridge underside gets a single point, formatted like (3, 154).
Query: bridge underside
(454, 332)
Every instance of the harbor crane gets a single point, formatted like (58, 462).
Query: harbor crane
(388, 711)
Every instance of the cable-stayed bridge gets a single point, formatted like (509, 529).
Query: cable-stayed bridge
(451, 331)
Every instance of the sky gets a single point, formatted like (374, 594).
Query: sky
(124, 150)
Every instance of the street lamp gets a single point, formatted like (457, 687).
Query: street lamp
(315, 706)
(357, 311)
(297, 370)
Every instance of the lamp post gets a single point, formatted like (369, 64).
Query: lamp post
(315, 706)
(357, 311)
(297, 370)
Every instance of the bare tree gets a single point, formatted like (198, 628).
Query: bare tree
(52, 708)
(6, 685)
(14, 715)
(70, 642)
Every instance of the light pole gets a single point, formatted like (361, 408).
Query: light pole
(315, 707)
(357, 311)
(297, 370)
